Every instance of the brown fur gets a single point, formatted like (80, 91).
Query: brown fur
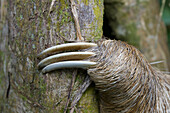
(126, 81)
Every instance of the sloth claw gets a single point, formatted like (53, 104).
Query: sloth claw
(67, 47)
(68, 59)
(68, 64)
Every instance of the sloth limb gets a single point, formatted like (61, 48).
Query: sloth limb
(126, 82)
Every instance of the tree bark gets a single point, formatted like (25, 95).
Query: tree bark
(3, 53)
(35, 25)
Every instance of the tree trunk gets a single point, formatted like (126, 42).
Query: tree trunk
(35, 25)
(38, 24)
(139, 23)
(3, 52)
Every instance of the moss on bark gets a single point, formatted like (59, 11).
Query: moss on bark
(35, 25)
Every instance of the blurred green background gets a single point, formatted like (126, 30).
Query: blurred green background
(166, 17)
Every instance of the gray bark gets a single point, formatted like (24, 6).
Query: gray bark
(35, 25)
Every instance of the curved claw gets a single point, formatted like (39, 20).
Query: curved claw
(60, 61)
(65, 56)
(68, 64)
(67, 47)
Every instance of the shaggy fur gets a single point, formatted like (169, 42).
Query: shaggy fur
(126, 81)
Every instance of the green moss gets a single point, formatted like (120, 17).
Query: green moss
(87, 102)
(1, 54)
(63, 16)
(99, 18)
(86, 2)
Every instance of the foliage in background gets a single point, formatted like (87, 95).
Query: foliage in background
(166, 18)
